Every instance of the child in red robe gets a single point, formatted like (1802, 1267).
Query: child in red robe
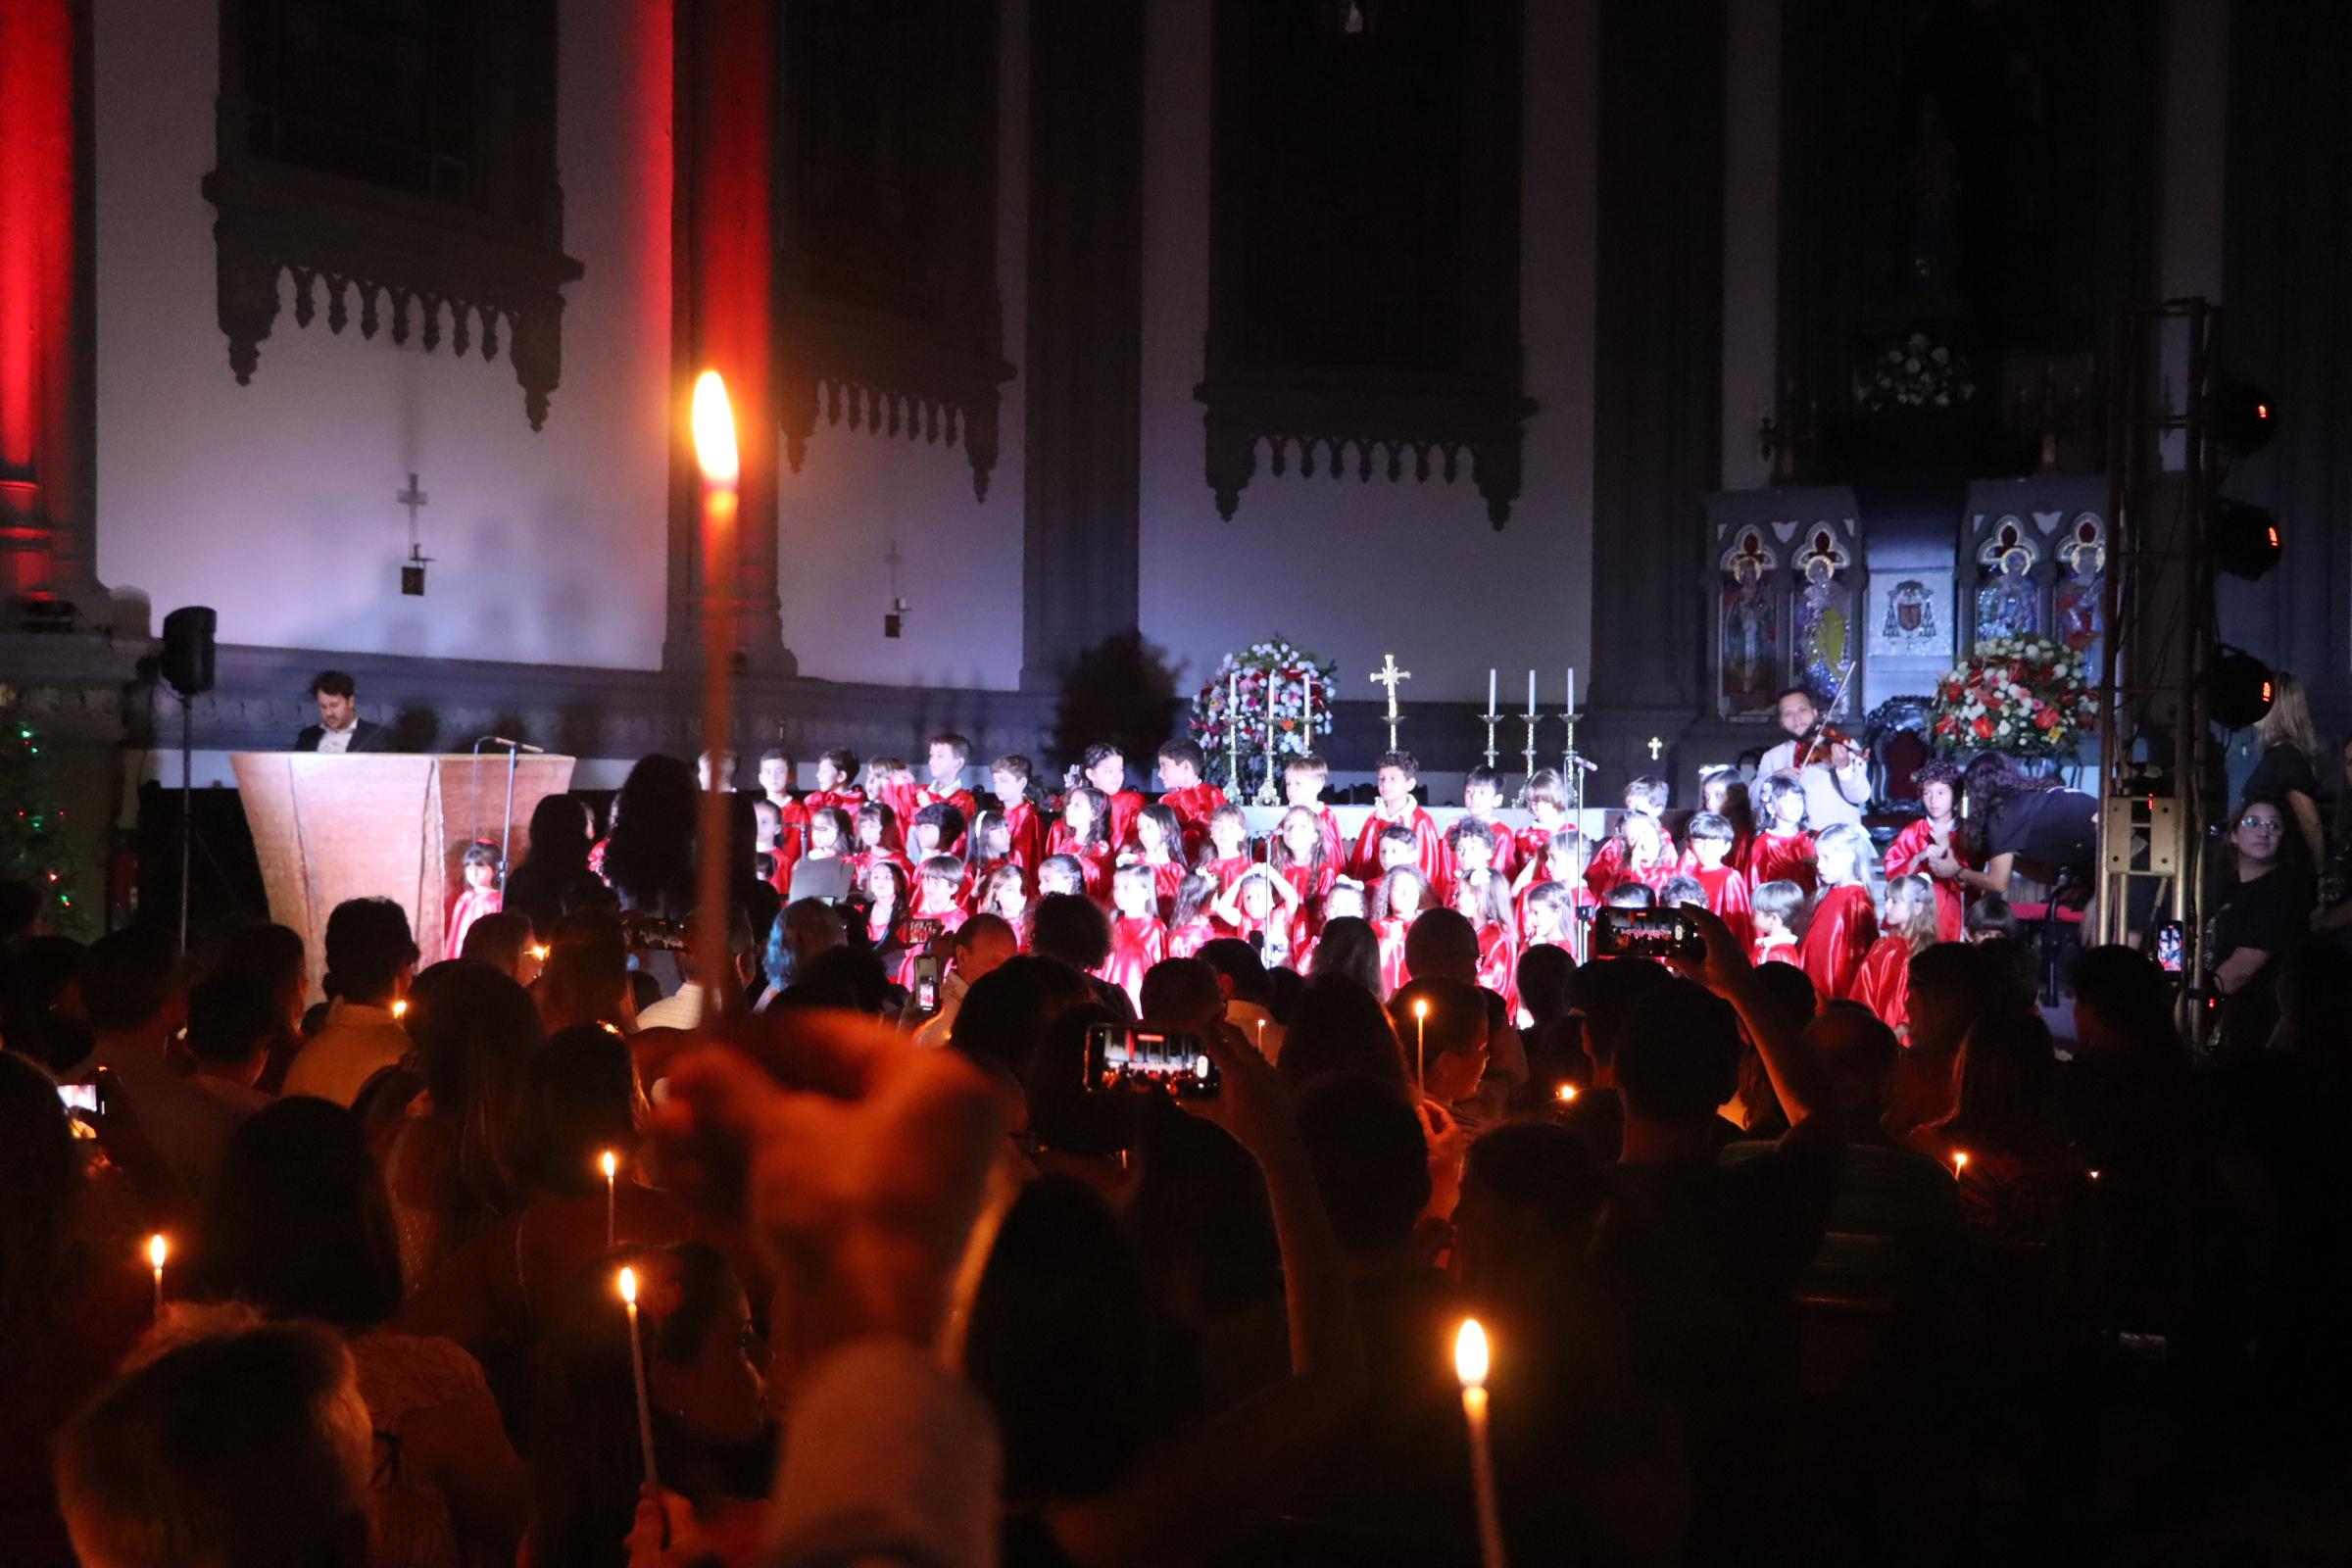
(790, 840)
(891, 781)
(836, 782)
(1645, 799)
(1084, 834)
(1935, 839)
(935, 827)
(938, 893)
(1784, 852)
(992, 847)
(1907, 917)
(1062, 875)
(1844, 925)
(1160, 849)
(1137, 939)
(1005, 894)
(1009, 777)
(1262, 909)
(1298, 857)
(1482, 798)
(481, 895)
(877, 840)
(832, 836)
(884, 884)
(1104, 769)
(1721, 791)
(1776, 910)
(1303, 779)
(1712, 841)
(1548, 813)
(1395, 778)
(1403, 893)
(1183, 790)
(948, 752)
(1226, 856)
(1486, 903)
(1188, 926)
(1546, 911)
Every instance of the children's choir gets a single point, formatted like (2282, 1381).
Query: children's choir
(1178, 871)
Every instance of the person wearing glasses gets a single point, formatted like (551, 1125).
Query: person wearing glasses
(2259, 915)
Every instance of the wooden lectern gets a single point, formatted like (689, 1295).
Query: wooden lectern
(331, 828)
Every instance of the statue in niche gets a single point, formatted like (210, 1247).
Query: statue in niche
(1825, 613)
(1748, 633)
(2007, 604)
(2080, 602)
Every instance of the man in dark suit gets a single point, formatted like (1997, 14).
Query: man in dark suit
(341, 728)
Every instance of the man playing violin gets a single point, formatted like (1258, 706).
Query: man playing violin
(1834, 772)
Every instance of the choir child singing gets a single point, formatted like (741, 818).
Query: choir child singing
(1843, 925)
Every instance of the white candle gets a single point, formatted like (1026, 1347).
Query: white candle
(645, 1409)
(612, 1167)
(156, 1251)
(1572, 688)
(1420, 1044)
(1531, 691)
(1489, 688)
(1470, 1367)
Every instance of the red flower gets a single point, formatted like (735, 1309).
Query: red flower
(1983, 728)
(2048, 719)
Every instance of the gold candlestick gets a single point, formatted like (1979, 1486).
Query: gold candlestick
(1388, 674)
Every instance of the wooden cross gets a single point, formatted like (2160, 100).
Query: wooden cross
(1655, 747)
(1388, 674)
(411, 497)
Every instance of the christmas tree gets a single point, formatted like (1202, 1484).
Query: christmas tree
(34, 847)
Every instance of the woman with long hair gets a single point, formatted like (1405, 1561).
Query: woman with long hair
(563, 827)
(650, 858)
(2012, 821)
(2289, 772)
(2004, 1138)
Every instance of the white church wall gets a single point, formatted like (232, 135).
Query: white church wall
(859, 493)
(1353, 569)
(274, 501)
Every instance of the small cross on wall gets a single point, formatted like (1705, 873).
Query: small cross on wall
(1657, 747)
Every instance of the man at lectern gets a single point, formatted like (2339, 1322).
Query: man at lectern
(341, 728)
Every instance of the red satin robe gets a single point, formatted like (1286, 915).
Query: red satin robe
(900, 798)
(1226, 871)
(846, 800)
(1335, 848)
(1838, 939)
(1429, 849)
(792, 842)
(1280, 938)
(1125, 807)
(864, 861)
(1762, 952)
(471, 905)
(1607, 866)
(1165, 879)
(1506, 843)
(1137, 943)
(1498, 964)
(1885, 984)
(965, 801)
(1192, 805)
(1908, 854)
(1391, 930)
(1533, 841)
(1027, 830)
(1728, 898)
(1187, 940)
(1784, 858)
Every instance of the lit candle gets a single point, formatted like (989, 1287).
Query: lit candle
(1567, 1093)
(1420, 1043)
(539, 951)
(611, 1164)
(1572, 688)
(715, 452)
(1531, 691)
(1489, 688)
(1959, 1163)
(400, 1011)
(1470, 1367)
(156, 1251)
(645, 1409)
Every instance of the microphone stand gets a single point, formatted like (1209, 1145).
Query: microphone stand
(505, 832)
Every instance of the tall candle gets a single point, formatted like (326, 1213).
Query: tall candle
(645, 1406)
(611, 1168)
(1470, 1367)
(1531, 691)
(1233, 706)
(715, 452)
(156, 1251)
(1572, 688)
(1489, 688)
(1420, 1043)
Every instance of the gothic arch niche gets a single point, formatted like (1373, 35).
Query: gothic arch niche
(401, 158)
(1364, 243)
(888, 318)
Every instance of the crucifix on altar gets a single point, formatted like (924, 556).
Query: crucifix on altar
(1388, 674)
(411, 570)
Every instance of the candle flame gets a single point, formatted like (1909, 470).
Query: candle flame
(1470, 1355)
(539, 951)
(1421, 1007)
(610, 1164)
(1959, 1163)
(714, 431)
(158, 1249)
(400, 1011)
(1567, 1093)
(628, 1286)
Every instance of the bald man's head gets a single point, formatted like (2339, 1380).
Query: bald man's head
(982, 943)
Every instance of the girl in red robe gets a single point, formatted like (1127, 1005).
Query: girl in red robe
(1546, 911)
(1784, 852)
(1548, 813)
(877, 841)
(1160, 849)
(1843, 925)
(884, 883)
(1063, 874)
(1137, 939)
(1711, 843)
(1932, 839)
(481, 897)
(830, 837)
(1722, 791)
(1188, 926)
(1397, 903)
(1005, 894)
(1487, 904)
(1641, 851)
(1263, 910)
(992, 847)
(1084, 834)
(1009, 778)
(1104, 769)
(1908, 919)
(1302, 781)
(1298, 855)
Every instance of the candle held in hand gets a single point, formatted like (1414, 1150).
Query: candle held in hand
(1421, 1044)
(715, 452)
(1470, 1369)
(156, 1251)
(611, 1164)
(645, 1409)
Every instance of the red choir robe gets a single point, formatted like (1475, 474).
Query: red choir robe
(472, 905)
(1839, 937)
(1192, 805)
(1885, 984)
(1137, 943)
(1280, 937)
(1027, 830)
(1498, 964)
(1094, 859)
(846, 801)
(792, 842)
(1784, 858)
(1762, 952)
(900, 798)
(1506, 843)
(1227, 871)
(865, 861)
(1429, 849)
(1125, 807)
(1311, 886)
(1391, 930)
(1908, 855)
(1165, 879)
(1187, 940)
(1335, 848)
(1533, 841)
(1607, 866)
(1728, 898)
(950, 793)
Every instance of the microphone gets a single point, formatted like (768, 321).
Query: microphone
(519, 746)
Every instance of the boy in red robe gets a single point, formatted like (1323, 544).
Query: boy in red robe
(1776, 910)
(1644, 797)
(836, 782)
(1394, 777)
(1008, 776)
(1227, 854)
(1302, 781)
(1784, 852)
(1137, 939)
(1843, 925)
(1721, 791)
(948, 752)
(1931, 839)
(1712, 841)
(1183, 790)
(1482, 798)
(791, 838)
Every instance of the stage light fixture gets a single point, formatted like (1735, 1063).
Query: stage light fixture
(2238, 688)
(2243, 416)
(2245, 539)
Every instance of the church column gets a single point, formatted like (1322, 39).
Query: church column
(1751, 231)
(1657, 375)
(722, 306)
(1083, 358)
(47, 409)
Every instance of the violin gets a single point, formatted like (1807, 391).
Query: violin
(1820, 742)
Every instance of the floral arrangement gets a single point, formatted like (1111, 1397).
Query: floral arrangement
(2027, 696)
(1246, 677)
(1915, 374)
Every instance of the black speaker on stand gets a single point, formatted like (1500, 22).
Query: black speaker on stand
(187, 664)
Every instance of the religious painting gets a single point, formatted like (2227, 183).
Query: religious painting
(1911, 614)
(1364, 251)
(1825, 643)
(1748, 655)
(2008, 599)
(2079, 603)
